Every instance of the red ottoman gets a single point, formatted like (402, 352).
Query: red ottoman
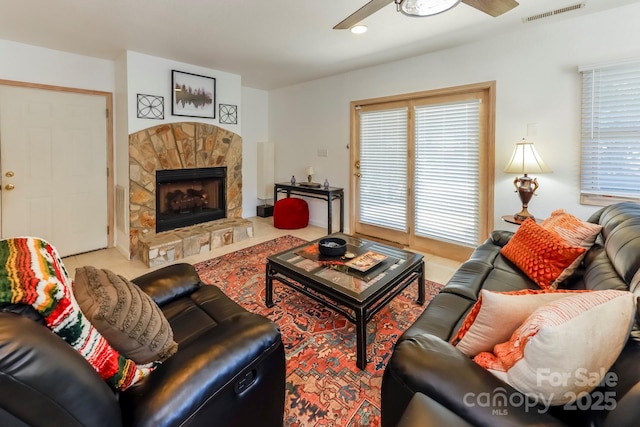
(290, 213)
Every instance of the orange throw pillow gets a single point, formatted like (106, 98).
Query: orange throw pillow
(572, 230)
(540, 254)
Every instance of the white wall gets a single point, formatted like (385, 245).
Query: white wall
(537, 83)
(32, 64)
(151, 75)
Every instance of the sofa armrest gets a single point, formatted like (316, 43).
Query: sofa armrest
(209, 380)
(501, 237)
(46, 382)
(431, 366)
(169, 283)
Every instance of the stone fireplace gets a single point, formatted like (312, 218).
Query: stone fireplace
(183, 148)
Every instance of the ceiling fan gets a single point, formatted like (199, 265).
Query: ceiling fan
(425, 8)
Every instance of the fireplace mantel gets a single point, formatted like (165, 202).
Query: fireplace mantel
(184, 145)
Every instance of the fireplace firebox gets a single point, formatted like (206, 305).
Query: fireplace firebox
(189, 196)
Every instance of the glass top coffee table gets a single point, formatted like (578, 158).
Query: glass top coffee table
(356, 292)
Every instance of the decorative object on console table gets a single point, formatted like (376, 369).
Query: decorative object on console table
(525, 160)
(309, 182)
(193, 95)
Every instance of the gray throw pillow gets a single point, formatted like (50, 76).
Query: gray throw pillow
(129, 319)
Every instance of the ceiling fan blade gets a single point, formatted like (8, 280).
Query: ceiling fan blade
(492, 7)
(368, 9)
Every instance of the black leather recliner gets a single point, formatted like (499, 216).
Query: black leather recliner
(229, 369)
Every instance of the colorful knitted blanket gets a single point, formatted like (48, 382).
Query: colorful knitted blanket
(31, 272)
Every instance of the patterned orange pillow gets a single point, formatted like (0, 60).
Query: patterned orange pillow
(540, 254)
(571, 229)
(574, 232)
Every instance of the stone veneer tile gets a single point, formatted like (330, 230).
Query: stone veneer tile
(221, 237)
(196, 240)
(184, 134)
(159, 249)
(242, 232)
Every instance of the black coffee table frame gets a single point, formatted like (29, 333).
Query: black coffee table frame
(357, 310)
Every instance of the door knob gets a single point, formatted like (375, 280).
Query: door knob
(9, 187)
(357, 174)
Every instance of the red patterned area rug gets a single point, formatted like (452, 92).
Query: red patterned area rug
(324, 387)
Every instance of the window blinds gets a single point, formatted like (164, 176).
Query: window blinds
(383, 168)
(611, 131)
(447, 171)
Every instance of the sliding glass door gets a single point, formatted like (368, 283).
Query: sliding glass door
(382, 173)
(422, 171)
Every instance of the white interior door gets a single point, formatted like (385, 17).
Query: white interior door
(53, 161)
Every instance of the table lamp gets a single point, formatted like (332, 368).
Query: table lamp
(525, 160)
(310, 174)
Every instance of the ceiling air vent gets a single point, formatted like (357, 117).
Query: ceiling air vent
(554, 12)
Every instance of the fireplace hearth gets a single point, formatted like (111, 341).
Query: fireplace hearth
(189, 196)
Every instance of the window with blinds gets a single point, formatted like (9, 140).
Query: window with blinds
(447, 171)
(383, 168)
(610, 169)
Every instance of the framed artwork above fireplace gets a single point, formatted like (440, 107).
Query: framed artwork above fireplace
(193, 95)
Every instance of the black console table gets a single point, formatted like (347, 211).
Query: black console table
(329, 195)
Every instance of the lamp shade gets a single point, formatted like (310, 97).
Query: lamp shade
(310, 170)
(526, 160)
(426, 7)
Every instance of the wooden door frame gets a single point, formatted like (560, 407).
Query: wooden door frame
(108, 97)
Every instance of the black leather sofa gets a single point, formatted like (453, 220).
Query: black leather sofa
(229, 369)
(427, 378)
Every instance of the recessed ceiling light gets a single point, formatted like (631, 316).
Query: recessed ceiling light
(358, 29)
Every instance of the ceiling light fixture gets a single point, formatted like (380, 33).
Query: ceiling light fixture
(424, 7)
(358, 29)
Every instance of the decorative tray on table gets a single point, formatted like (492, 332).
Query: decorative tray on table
(366, 261)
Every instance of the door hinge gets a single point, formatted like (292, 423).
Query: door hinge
(107, 112)
(108, 229)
